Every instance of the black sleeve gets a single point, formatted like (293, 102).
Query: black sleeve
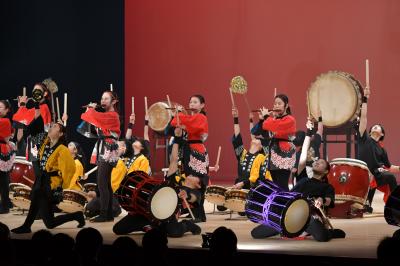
(36, 127)
(363, 138)
(169, 130)
(316, 144)
(330, 193)
(385, 159)
(257, 128)
(237, 143)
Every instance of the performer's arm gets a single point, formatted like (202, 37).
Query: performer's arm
(174, 158)
(320, 128)
(363, 118)
(304, 149)
(236, 126)
(128, 134)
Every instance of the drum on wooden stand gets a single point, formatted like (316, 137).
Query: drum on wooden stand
(338, 94)
(235, 199)
(22, 172)
(73, 201)
(138, 193)
(20, 195)
(159, 115)
(350, 178)
(286, 212)
(215, 194)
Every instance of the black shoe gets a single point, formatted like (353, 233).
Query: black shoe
(192, 227)
(199, 220)
(338, 233)
(242, 213)
(368, 209)
(221, 208)
(21, 230)
(117, 213)
(80, 219)
(101, 219)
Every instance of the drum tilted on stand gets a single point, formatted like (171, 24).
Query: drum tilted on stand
(286, 212)
(338, 94)
(159, 115)
(350, 178)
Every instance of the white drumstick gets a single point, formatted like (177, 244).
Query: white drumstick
(28, 179)
(367, 73)
(111, 87)
(232, 99)
(188, 207)
(65, 107)
(91, 171)
(308, 105)
(24, 91)
(275, 92)
(133, 105)
(145, 105)
(169, 102)
(58, 108)
(218, 156)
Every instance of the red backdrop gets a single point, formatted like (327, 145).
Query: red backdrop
(181, 47)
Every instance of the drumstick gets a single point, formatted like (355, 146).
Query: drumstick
(218, 156)
(247, 103)
(324, 217)
(65, 107)
(53, 113)
(133, 105)
(232, 99)
(111, 87)
(308, 105)
(367, 73)
(274, 92)
(28, 179)
(188, 207)
(58, 108)
(145, 105)
(24, 91)
(90, 171)
(169, 101)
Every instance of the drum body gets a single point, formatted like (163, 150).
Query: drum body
(73, 201)
(20, 196)
(22, 172)
(235, 199)
(215, 195)
(286, 212)
(338, 95)
(159, 115)
(392, 208)
(138, 193)
(350, 178)
(90, 187)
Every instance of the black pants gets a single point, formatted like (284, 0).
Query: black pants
(316, 229)
(281, 178)
(41, 203)
(385, 178)
(105, 190)
(136, 223)
(4, 191)
(93, 207)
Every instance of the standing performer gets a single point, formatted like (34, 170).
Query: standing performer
(54, 168)
(316, 187)
(281, 126)
(195, 157)
(7, 155)
(372, 152)
(105, 152)
(26, 115)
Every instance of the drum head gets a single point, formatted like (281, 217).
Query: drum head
(338, 95)
(73, 201)
(164, 203)
(159, 116)
(296, 218)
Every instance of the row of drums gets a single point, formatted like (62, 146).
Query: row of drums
(22, 178)
(230, 198)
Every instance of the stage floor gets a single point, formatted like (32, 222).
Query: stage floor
(362, 239)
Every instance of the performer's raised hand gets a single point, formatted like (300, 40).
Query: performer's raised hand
(178, 132)
(235, 112)
(265, 112)
(319, 202)
(34, 151)
(367, 92)
(132, 118)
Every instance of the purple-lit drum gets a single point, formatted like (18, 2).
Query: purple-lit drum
(287, 212)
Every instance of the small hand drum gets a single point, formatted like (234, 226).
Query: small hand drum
(22, 172)
(235, 199)
(21, 196)
(73, 201)
(286, 212)
(215, 195)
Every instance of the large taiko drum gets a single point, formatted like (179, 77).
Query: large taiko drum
(141, 194)
(286, 212)
(159, 115)
(22, 172)
(350, 178)
(338, 94)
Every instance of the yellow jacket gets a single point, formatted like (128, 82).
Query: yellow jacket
(74, 185)
(62, 162)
